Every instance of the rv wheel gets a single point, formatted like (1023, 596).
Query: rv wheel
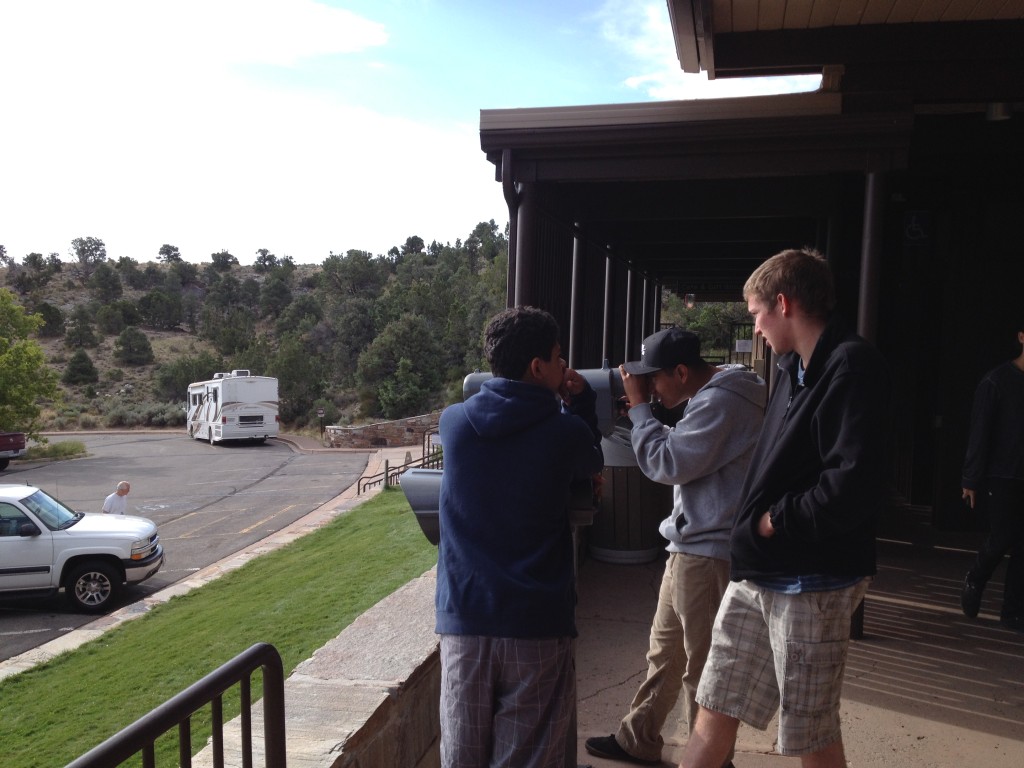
(211, 438)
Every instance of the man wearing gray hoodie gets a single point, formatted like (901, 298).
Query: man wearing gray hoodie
(704, 456)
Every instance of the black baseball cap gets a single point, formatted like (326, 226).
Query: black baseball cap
(666, 349)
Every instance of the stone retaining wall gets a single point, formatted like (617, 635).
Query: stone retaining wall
(367, 699)
(385, 433)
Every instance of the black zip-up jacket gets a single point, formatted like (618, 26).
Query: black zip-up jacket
(995, 447)
(818, 467)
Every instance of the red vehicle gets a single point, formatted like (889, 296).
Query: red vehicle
(12, 445)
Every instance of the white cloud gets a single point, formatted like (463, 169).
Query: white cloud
(183, 33)
(144, 123)
(640, 28)
(223, 124)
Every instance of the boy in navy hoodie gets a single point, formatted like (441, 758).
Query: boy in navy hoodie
(506, 592)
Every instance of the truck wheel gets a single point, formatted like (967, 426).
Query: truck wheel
(4, 463)
(92, 586)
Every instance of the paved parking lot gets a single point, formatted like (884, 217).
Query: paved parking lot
(209, 502)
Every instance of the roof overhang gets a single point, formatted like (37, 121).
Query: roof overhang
(694, 193)
(700, 191)
(927, 50)
(604, 116)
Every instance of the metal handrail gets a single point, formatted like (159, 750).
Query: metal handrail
(427, 449)
(141, 735)
(390, 475)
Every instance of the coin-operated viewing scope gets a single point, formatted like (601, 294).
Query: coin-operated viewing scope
(606, 383)
(422, 487)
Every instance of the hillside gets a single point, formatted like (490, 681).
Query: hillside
(127, 386)
(126, 389)
(363, 337)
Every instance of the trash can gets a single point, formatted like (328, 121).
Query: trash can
(625, 528)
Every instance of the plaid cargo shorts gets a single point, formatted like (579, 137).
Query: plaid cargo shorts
(771, 649)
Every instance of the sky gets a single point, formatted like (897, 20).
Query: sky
(305, 127)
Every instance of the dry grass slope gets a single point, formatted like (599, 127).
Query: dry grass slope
(121, 388)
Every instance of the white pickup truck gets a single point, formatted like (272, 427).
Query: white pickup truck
(46, 547)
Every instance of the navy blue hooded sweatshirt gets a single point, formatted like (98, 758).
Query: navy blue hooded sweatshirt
(505, 553)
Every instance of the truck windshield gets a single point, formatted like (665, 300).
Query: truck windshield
(50, 512)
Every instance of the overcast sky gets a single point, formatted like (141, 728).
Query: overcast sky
(300, 126)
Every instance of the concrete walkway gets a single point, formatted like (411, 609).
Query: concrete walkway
(926, 687)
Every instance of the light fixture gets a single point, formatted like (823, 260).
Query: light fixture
(690, 300)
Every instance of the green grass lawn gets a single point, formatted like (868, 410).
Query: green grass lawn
(296, 598)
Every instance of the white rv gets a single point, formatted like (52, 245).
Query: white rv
(233, 406)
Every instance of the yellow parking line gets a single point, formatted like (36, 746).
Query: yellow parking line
(264, 520)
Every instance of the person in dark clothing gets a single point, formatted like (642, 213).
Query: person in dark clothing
(994, 470)
(506, 592)
(803, 545)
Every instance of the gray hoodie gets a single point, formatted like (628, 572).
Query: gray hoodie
(705, 456)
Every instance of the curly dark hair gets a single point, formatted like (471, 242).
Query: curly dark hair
(515, 336)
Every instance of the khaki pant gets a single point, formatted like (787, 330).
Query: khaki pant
(691, 591)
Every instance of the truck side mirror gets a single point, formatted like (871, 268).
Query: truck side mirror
(28, 529)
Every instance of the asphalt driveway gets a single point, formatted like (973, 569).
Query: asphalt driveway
(208, 502)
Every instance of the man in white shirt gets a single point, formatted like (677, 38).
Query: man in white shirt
(117, 502)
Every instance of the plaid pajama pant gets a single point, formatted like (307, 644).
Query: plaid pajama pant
(505, 702)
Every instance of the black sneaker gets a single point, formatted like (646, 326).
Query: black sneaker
(970, 598)
(608, 747)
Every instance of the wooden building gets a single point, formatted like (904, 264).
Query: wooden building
(906, 168)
